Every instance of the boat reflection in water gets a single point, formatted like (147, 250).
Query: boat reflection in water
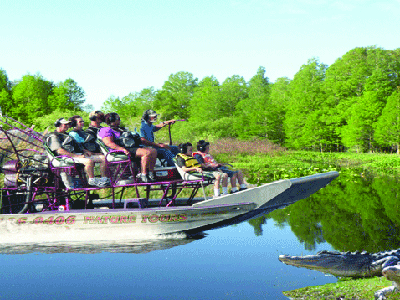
(103, 241)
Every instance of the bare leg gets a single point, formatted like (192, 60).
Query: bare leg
(102, 166)
(240, 176)
(217, 179)
(100, 159)
(152, 159)
(233, 180)
(147, 158)
(224, 180)
(89, 167)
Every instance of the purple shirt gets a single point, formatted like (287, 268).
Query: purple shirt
(108, 132)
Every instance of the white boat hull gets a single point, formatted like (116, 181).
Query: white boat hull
(236, 207)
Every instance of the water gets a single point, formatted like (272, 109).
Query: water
(226, 263)
(235, 262)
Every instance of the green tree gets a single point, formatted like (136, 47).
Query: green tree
(387, 127)
(30, 98)
(46, 122)
(275, 115)
(75, 93)
(363, 76)
(233, 90)
(5, 92)
(172, 101)
(359, 130)
(131, 107)
(252, 118)
(67, 95)
(203, 108)
(304, 115)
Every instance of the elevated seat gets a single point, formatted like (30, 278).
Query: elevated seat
(64, 168)
(192, 176)
(122, 170)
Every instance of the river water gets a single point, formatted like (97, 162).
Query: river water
(226, 263)
(234, 262)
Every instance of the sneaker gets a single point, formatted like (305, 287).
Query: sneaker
(104, 181)
(93, 181)
(143, 178)
(151, 176)
(243, 188)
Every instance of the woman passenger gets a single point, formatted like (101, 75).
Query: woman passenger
(79, 136)
(110, 136)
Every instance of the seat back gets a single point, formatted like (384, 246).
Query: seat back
(111, 156)
(121, 168)
(65, 169)
(186, 175)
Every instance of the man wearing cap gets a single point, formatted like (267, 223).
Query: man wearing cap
(55, 141)
(147, 130)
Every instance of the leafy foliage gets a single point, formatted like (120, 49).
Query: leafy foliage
(348, 106)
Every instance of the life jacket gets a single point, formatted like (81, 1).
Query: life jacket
(67, 142)
(90, 140)
(209, 161)
(190, 162)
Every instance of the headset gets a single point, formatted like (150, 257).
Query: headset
(202, 145)
(183, 147)
(58, 123)
(111, 118)
(73, 120)
(147, 113)
(96, 114)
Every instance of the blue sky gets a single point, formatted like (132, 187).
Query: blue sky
(118, 47)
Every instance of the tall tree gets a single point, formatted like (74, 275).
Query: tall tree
(75, 93)
(203, 108)
(306, 100)
(172, 101)
(362, 76)
(279, 97)
(30, 98)
(67, 95)
(5, 92)
(131, 107)
(252, 111)
(344, 82)
(387, 127)
(359, 131)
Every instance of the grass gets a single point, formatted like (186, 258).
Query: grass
(353, 289)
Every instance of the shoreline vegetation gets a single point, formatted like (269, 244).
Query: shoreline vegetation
(263, 161)
(269, 162)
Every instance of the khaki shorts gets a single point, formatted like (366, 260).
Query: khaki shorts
(97, 158)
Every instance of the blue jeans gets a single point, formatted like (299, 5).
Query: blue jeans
(168, 155)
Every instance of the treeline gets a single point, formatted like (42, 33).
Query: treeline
(354, 104)
(33, 97)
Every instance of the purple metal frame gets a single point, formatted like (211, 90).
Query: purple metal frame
(53, 191)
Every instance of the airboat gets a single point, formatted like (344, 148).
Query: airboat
(38, 193)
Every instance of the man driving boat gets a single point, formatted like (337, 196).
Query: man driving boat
(147, 130)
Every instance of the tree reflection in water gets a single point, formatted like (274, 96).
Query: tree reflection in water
(355, 212)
